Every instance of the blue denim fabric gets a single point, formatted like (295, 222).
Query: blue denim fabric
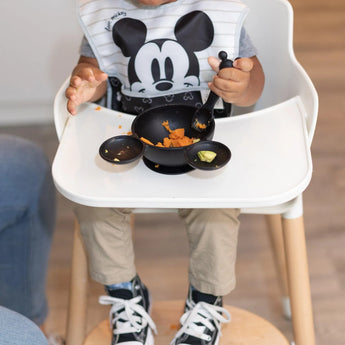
(15, 329)
(27, 220)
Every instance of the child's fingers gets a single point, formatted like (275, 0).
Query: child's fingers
(224, 84)
(101, 77)
(70, 92)
(92, 74)
(214, 63)
(87, 75)
(244, 64)
(83, 74)
(225, 93)
(72, 107)
(83, 85)
(71, 96)
(75, 81)
(240, 66)
(239, 73)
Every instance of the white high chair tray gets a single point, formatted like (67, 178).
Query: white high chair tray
(270, 163)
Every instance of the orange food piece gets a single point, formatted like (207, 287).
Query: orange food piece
(176, 138)
(200, 125)
(146, 141)
(165, 124)
(185, 141)
(167, 142)
(98, 108)
(177, 133)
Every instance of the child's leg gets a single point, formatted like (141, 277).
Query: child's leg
(107, 236)
(212, 235)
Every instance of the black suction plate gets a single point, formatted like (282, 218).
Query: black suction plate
(222, 158)
(122, 149)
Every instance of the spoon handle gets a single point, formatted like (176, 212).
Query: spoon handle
(225, 63)
(212, 97)
(204, 115)
(211, 101)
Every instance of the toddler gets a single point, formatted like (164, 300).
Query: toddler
(137, 54)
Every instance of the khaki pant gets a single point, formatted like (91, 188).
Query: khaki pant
(212, 236)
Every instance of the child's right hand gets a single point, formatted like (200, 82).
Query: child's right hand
(87, 83)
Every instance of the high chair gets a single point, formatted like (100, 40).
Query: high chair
(270, 168)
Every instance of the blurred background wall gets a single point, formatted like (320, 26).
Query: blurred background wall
(39, 47)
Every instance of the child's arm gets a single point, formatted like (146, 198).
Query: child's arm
(87, 84)
(241, 85)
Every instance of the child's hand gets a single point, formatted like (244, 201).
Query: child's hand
(86, 84)
(241, 85)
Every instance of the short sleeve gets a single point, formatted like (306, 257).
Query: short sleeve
(85, 49)
(247, 48)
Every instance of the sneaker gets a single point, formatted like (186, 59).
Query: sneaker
(129, 315)
(201, 321)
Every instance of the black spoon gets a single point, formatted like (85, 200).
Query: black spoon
(204, 115)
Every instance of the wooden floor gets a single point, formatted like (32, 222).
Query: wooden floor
(320, 47)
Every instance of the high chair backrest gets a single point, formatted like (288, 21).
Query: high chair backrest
(270, 26)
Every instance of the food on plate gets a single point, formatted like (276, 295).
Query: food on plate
(200, 125)
(176, 138)
(147, 141)
(206, 156)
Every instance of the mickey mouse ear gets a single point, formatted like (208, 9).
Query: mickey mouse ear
(194, 31)
(129, 35)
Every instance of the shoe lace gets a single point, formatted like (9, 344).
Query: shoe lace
(128, 314)
(198, 319)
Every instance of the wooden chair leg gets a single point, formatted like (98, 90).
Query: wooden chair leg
(76, 318)
(275, 232)
(298, 279)
(132, 222)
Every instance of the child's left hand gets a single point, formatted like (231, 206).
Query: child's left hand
(240, 85)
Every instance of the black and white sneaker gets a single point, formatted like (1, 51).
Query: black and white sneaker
(129, 315)
(201, 322)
